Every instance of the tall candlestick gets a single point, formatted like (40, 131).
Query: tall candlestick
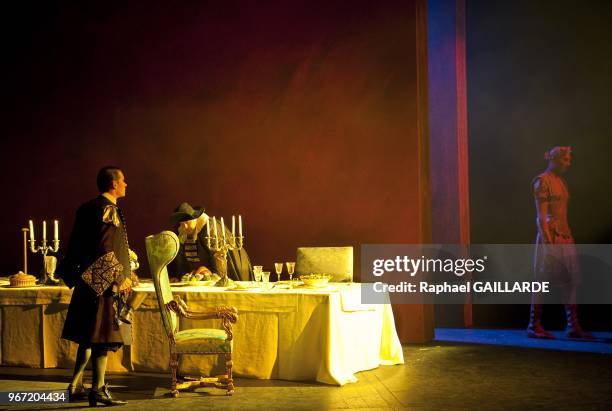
(55, 230)
(240, 225)
(25, 250)
(220, 244)
(31, 230)
(208, 227)
(44, 237)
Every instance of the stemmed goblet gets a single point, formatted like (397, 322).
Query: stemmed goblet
(290, 270)
(278, 267)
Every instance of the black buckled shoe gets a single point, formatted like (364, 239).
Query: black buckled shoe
(104, 396)
(76, 393)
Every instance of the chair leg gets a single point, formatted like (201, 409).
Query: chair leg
(174, 361)
(228, 367)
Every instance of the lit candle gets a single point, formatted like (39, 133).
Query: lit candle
(240, 225)
(55, 230)
(223, 228)
(215, 228)
(208, 227)
(31, 230)
(44, 237)
(234, 225)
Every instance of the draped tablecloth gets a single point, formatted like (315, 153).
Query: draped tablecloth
(31, 323)
(323, 335)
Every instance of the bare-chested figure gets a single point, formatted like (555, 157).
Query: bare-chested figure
(555, 259)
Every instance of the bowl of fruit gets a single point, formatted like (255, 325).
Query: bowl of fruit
(316, 280)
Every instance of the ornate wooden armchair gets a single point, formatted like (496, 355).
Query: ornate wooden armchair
(162, 248)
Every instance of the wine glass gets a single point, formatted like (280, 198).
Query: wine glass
(257, 270)
(290, 270)
(265, 276)
(278, 267)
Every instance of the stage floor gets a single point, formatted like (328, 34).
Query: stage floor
(518, 338)
(438, 375)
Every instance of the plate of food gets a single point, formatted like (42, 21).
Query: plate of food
(315, 280)
(244, 286)
(239, 286)
(195, 279)
(205, 283)
(287, 285)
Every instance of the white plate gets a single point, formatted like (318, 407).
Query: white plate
(242, 289)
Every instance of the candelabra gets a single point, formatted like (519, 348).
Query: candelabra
(221, 243)
(44, 249)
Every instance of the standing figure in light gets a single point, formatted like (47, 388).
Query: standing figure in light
(555, 258)
(97, 265)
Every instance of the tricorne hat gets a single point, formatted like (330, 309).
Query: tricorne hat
(185, 212)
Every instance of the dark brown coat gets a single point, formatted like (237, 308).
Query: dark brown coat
(97, 266)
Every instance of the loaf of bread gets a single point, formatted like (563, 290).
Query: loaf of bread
(22, 280)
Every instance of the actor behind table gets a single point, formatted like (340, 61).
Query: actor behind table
(194, 256)
(97, 265)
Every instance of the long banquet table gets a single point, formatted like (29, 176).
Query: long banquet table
(298, 334)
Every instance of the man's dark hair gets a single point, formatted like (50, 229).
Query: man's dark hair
(106, 176)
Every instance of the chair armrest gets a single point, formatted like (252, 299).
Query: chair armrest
(227, 314)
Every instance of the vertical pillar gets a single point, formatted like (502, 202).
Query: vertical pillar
(415, 322)
(447, 107)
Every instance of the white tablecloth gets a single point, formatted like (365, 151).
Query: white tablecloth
(300, 334)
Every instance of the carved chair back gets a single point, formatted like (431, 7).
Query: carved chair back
(162, 248)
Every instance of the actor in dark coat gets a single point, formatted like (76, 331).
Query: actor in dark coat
(194, 255)
(97, 265)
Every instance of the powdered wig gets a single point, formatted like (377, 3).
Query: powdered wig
(558, 151)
